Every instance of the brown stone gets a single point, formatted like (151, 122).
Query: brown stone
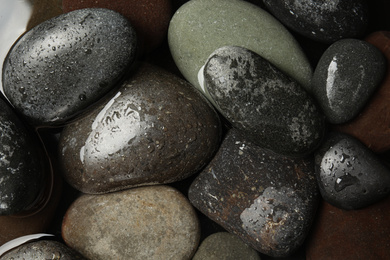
(44, 10)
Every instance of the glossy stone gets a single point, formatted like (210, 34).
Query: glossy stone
(372, 125)
(155, 222)
(156, 129)
(67, 63)
(273, 110)
(349, 175)
(326, 21)
(266, 199)
(199, 27)
(150, 18)
(345, 77)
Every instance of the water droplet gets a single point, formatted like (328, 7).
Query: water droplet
(54, 48)
(342, 159)
(331, 167)
(88, 51)
(82, 97)
(344, 181)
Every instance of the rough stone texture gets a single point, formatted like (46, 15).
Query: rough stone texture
(372, 125)
(67, 63)
(45, 249)
(326, 21)
(266, 199)
(273, 110)
(155, 222)
(224, 245)
(150, 18)
(347, 74)
(349, 175)
(156, 129)
(44, 10)
(350, 235)
(199, 27)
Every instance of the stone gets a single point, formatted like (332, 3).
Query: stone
(65, 64)
(266, 199)
(325, 21)
(224, 245)
(150, 18)
(156, 129)
(199, 27)
(154, 222)
(44, 10)
(346, 76)
(372, 125)
(273, 110)
(350, 176)
(350, 235)
(43, 249)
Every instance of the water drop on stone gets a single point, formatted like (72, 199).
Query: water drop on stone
(82, 97)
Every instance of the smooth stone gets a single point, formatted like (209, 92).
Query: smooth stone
(199, 27)
(350, 235)
(372, 125)
(155, 222)
(224, 245)
(44, 10)
(325, 21)
(44, 249)
(273, 110)
(346, 76)
(350, 176)
(156, 129)
(150, 18)
(268, 200)
(65, 64)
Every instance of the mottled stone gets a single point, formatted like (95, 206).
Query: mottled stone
(350, 235)
(199, 27)
(266, 199)
(44, 249)
(156, 129)
(273, 110)
(347, 74)
(155, 222)
(224, 245)
(349, 175)
(372, 125)
(326, 21)
(67, 63)
(44, 10)
(150, 18)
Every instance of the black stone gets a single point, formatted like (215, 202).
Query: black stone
(65, 64)
(257, 98)
(350, 176)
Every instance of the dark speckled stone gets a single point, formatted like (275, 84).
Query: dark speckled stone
(268, 200)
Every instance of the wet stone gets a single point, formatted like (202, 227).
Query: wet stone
(156, 129)
(155, 222)
(325, 21)
(346, 76)
(350, 176)
(266, 199)
(273, 110)
(79, 54)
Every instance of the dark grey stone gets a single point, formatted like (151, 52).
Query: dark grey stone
(65, 64)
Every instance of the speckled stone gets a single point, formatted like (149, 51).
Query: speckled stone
(44, 249)
(326, 21)
(65, 64)
(199, 27)
(273, 110)
(44, 10)
(349, 175)
(155, 222)
(150, 18)
(224, 245)
(266, 199)
(347, 74)
(156, 129)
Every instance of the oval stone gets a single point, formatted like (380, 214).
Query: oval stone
(65, 64)
(156, 129)
(347, 74)
(155, 222)
(326, 21)
(273, 110)
(200, 27)
(349, 175)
